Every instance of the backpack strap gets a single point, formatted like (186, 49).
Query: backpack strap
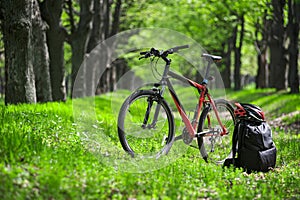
(235, 139)
(231, 159)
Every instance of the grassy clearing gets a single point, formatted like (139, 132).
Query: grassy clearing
(273, 103)
(43, 156)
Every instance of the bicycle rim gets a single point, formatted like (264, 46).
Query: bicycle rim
(214, 146)
(145, 139)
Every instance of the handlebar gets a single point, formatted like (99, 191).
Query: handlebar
(212, 57)
(175, 49)
(163, 54)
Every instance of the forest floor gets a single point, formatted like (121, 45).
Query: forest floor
(44, 156)
(280, 122)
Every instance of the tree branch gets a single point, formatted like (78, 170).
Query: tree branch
(116, 18)
(71, 15)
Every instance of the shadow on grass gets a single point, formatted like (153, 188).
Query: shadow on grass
(249, 95)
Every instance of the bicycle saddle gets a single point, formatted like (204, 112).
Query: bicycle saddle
(213, 57)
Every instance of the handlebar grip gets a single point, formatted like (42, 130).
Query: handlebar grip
(182, 47)
(143, 52)
(212, 57)
(175, 49)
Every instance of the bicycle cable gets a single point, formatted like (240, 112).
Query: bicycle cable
(154, 69)
(159, 74)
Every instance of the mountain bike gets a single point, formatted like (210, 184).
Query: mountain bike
(146, 123)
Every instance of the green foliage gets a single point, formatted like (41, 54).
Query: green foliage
(70, 15)
(210, 23)
(67, 58)
(42, 157)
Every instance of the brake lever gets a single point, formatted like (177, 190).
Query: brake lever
(146, 55)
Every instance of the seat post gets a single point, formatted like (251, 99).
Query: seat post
(207, 68)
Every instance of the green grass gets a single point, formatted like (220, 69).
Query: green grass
(273, 103)
(43, 155)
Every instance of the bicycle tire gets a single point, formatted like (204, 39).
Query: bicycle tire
(145, 140)
(216, 148)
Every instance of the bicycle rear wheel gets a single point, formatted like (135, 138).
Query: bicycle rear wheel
(213, 146)
(140, 131)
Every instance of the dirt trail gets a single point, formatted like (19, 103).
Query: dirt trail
(278, 122)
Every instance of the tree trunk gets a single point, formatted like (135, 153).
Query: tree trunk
(262, 71)
(106, 18)
(238, 55)
(40, 57)
(226, 73)
(293, 51)
(116, 18)
(17, 32)
(103, 29)
(108, 80)
(104, 34)
(95, 37)
(114, 30)
(79, 42)
(51, 12)
(113, 77)
(277, 49)
(94, 40)
(261, 47)
(122, 67)
(2, 85)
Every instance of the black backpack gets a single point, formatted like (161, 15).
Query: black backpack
(252, 141)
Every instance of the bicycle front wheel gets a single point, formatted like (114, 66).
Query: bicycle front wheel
(145, 124)
(214, 146)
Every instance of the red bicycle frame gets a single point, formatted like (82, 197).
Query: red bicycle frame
(203, 91)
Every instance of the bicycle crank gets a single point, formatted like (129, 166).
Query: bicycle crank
(187, 139)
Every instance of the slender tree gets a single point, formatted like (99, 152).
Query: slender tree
(238, 53)
(112, 82)
(277, 50)
(95, 38)
(40, 56)
(105, 53)
(56, 35)
(293, 49)
(261, 46)
(2, 69)
(235, 42)
(226, 72)
(79, 38)
(105, 24)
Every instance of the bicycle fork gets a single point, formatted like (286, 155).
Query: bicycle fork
(146, 118)
(149, 107)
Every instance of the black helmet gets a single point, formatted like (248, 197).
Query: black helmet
(249, 111)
